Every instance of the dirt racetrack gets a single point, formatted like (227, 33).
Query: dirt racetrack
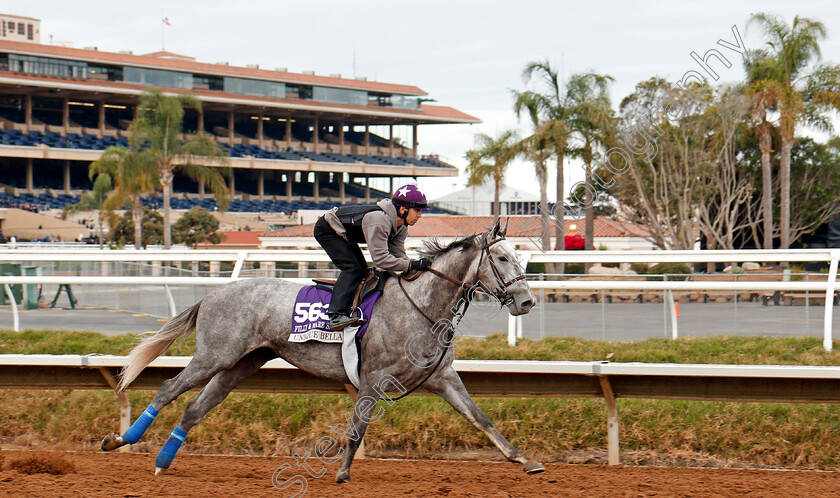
(130, 475)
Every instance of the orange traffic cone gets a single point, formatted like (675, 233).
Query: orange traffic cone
(677, 307)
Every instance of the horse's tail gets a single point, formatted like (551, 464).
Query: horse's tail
(154, 346)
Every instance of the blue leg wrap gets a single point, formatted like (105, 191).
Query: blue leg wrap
(167, 453)
(135, 432)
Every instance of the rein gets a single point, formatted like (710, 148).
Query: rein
(456, 319)
(500, 293)
(468, 290)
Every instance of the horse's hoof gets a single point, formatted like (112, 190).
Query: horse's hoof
(159, 471)
(112, 442)
(533, 467)
(342, 476)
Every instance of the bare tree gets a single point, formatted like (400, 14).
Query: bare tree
(727, 203)
(660, 187)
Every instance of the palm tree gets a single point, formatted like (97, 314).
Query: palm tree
(94, 200)
(490, 159)
(537, 148)
(590, 118)
(133, 174)
(764, 94)
(802, 92)
(158, 130)
(552, 108)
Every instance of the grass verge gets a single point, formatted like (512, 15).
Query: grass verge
(755, 434)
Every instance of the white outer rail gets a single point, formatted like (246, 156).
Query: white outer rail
(830, 256)
(781, 383)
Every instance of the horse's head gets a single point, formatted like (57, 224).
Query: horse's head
(500, 273)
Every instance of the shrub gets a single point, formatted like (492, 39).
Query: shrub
(535, 268)
(574, 242)
(575, 268)
(670, 269)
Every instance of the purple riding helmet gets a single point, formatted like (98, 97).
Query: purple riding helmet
(410, 197)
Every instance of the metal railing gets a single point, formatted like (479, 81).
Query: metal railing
(239, 258)
(733, 383)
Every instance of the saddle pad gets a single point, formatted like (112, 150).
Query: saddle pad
(310, 321)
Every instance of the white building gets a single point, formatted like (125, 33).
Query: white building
(478, 201)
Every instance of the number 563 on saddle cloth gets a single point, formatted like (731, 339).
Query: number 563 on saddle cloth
(310, 321)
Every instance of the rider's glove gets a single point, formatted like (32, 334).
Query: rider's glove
(421, 264)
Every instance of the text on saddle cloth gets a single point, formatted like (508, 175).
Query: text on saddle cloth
(310, 321)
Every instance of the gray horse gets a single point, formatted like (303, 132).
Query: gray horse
(244, 324)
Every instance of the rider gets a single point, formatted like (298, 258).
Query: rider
(383, 227)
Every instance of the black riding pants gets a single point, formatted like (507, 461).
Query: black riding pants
(348, 258)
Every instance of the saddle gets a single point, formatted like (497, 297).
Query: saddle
(371, 281)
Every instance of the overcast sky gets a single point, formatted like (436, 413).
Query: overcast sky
(467, 55)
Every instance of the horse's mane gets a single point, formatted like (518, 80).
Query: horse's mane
(435, 247)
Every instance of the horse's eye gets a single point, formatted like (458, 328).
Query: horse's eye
(503, 259)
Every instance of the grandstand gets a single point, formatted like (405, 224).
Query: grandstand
(296, 140)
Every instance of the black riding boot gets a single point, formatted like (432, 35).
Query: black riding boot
(339, 321)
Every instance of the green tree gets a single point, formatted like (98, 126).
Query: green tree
(815, 181)
(197, 225)
(489, 160)
(94, 201)
(123, 229)
(133, 175)
(603, 202)
(805, 91)
(158, 131)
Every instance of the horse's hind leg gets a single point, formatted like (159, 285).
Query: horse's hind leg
(447, 384)
(213, 393)
(200, 368)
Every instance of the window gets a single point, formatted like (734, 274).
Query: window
(105, 73)
(157, 77)
(339, 95)
(29, 34)
(255, 87)
(21, 29)
(299, 92)
(398, 101)
(47, 66)
(11, 27)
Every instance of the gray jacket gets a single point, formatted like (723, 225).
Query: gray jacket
(385, 241)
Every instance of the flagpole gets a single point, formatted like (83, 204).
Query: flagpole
(162, 25)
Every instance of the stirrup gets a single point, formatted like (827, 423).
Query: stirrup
(340, 322)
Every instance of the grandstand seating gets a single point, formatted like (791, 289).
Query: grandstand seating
(53, 139)
(92, 142)
(42, 202)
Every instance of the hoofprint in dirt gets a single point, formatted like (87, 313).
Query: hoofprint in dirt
(127, 474)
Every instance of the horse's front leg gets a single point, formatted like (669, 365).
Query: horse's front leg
(448, 385)
(363, 414)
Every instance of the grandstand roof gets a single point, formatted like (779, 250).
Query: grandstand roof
(157, 61)
(163, 54)
(426, 114)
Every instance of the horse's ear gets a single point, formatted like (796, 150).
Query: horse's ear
(495, 231)
(503, 231)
